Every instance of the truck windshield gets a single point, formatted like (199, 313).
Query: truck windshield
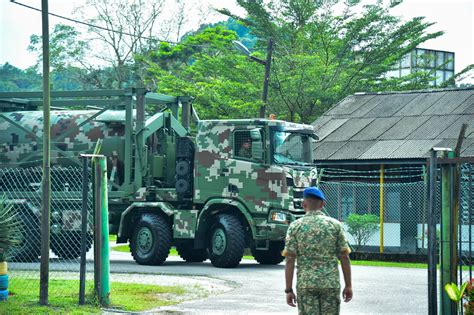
(291, 148)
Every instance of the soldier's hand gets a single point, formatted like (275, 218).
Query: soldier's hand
(291, 299)
(347, 294)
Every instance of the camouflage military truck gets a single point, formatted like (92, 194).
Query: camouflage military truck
(211, 190)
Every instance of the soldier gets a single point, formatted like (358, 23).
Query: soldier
(316, 241)
(245, 150)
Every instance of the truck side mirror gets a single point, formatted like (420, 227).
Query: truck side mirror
(257, 144)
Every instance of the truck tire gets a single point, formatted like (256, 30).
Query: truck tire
(29, 246)
(151, 240)
(67, 245)
(272, 256)
(189, 254)
(227, 241)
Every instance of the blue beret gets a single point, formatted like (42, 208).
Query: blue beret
(313, 192)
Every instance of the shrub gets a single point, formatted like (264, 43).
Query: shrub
(362, 227)
(8, 228)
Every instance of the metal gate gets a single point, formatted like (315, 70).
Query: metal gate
(450, 231)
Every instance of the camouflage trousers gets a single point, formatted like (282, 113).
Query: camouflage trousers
(318, 301)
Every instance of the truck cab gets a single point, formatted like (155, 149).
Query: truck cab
(260, 165)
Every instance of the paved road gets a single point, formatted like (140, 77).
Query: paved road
(259, 289)
(256, 289)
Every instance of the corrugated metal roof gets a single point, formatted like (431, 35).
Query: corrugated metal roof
(396, 125)
(448, 103)
(433, 127)
(453, 130)
(352, 150)
(413, 149)
(376, 128)
(324, 150)
(361, 111)
(381, 149)
(404, 127)
(349, 129)
(390, 105)
(420, 103)
(329, 127)
(348, 105)
(468, 151)
(467, 105)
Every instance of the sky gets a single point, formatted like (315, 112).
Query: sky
(454, 17)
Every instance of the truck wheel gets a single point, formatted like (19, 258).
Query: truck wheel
(189, 254)
(67, 245)
(29, 246)
(227, 241)
(272, 256)
(151, 240)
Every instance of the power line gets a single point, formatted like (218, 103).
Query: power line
(102, 27)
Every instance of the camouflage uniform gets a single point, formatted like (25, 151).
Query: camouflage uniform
(316, 241)
(244, 152)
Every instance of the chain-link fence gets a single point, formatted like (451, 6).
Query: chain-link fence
(466, 220)
(399, 197)
(22, 187)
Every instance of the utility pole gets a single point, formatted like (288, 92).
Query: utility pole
(267, 78)
(46, 182)
(267, 63)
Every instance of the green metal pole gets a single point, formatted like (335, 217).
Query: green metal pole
(447, 306)
(46, 182)
(102, 267)
(382, 175)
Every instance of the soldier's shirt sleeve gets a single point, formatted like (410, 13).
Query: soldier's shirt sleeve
(342, 243)
(290, 242)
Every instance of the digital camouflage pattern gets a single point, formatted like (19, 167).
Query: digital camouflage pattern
(316, 240)
(318, 301)
(72, 133)
(221, 178)
(259, 185)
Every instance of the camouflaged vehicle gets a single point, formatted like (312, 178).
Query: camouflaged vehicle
(212, 192)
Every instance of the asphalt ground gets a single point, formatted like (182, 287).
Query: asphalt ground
(258, 289)
(252, 288)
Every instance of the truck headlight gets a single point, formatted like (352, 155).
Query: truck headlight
(278, 217)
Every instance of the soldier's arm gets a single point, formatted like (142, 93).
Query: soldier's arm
(290, 254)
(346, 271)
(289, 272)
(344, 251)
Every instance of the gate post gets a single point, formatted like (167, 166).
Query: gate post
(432, 272)
(101, 231)
(448, 234)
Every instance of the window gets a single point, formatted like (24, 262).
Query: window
(450, 60)
(242, 144)
(439, 58)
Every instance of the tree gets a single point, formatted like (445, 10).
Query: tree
(66, 49)
(362, 227)
(224, 83)
(15, 79)
(328, 49)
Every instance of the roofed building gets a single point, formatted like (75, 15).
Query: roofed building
(372, 157)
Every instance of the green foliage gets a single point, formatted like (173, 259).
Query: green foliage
(224, 84)
(454, 292)
(362, 227)
(326, 50)
(9, 227)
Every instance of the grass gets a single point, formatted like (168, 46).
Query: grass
(124, 296)
(125, 249)
(388, 264)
